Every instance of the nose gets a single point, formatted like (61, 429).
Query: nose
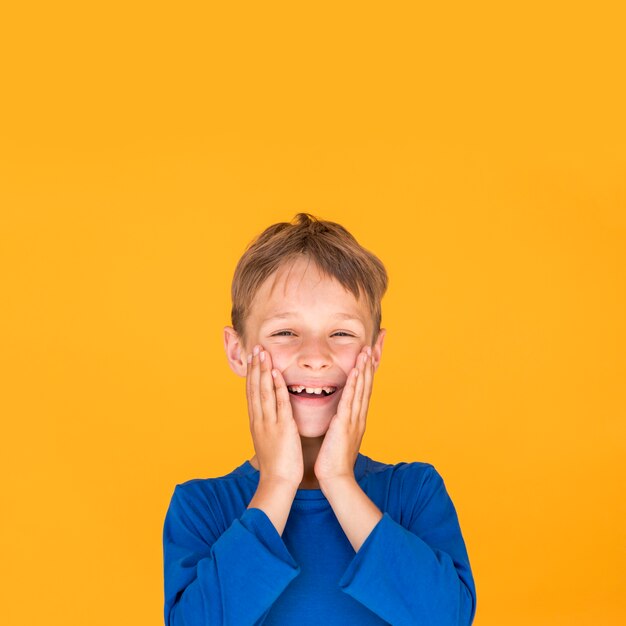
(314, 355)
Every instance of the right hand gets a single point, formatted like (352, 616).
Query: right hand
(274, 431)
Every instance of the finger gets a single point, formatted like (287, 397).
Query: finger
(283, 403)
(345, 402)
(268, 396)
(248, 385)
(255, 394)
(358, 391)
(367, 391)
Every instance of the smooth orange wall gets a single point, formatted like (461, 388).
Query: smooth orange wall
(479, 149)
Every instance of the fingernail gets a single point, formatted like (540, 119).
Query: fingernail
(255, 351)
(249, 358)
(369, 351)
(262, 356)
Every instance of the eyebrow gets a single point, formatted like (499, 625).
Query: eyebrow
(285, 314)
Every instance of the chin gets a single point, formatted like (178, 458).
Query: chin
(312, 432)
(312, 427)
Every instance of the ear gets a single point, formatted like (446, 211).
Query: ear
(377, 348)
(235, 352)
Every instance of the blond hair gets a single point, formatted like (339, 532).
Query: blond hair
(328, 245)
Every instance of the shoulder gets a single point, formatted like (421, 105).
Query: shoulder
(217, 500)
(203, 487)
(402, 489)
(403, 471)
(244, 474)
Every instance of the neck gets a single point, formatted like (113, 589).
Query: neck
(310, 449)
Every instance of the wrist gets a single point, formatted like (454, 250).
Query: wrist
(273, 481)
(274, 496)
(333, 483)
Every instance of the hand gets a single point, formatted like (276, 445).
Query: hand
(274, 431)
(342, 441)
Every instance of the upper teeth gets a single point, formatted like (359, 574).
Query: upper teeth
(318, 390)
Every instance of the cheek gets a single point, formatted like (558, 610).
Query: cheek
(348, 359)
(280, 357)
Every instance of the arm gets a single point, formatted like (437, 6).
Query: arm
(356, 513)
(274, 497)
(275, 437)
(233, 576)
(418, 574)
(228, 578)
(334, 466)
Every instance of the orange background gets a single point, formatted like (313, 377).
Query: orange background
(478, 148)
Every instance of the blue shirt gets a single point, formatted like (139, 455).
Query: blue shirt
(227, 564)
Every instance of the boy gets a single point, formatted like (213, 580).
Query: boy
(309, 531)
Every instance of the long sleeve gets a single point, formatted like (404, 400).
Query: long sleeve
(419, 574)
(228, 578)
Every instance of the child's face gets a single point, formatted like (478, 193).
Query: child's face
(314, 329)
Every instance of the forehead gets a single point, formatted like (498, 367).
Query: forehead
(299, 287)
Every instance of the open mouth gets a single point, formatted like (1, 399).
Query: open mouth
(311, 392)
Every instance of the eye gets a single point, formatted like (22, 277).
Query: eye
(282, 333)
(341, 333)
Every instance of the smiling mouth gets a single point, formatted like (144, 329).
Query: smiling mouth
(311, 392)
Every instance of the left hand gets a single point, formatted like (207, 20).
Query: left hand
(341, 444)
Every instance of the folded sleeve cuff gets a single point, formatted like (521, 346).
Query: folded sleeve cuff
(259, 524)
(358, 570)
(252, 563)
